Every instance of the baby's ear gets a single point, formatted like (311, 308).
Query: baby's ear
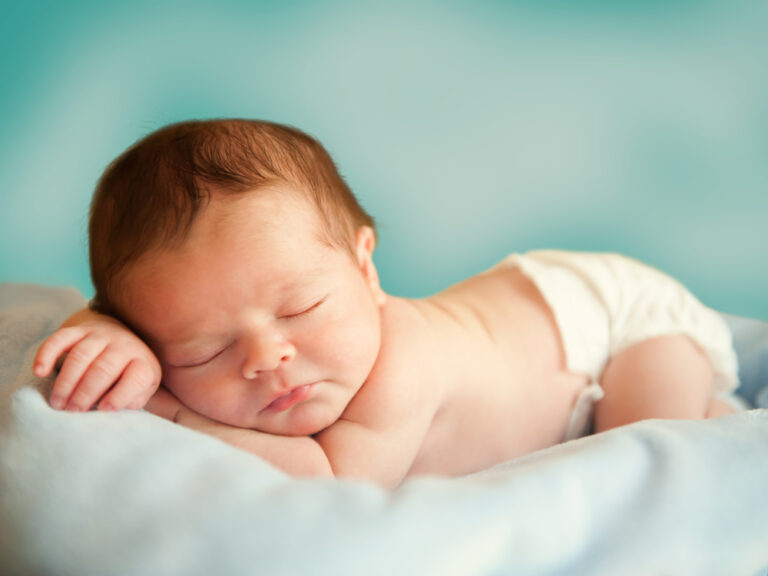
(365, 243)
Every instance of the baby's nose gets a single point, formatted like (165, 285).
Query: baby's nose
(266, 353)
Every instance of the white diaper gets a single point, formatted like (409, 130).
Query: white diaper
(605, 303)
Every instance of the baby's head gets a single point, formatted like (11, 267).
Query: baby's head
(237, 251)
(149, 197)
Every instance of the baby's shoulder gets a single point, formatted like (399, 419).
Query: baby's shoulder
(400, 379)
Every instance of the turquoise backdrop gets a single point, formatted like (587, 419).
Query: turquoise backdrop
(469, 129)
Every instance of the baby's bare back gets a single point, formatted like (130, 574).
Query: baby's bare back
(482, 365)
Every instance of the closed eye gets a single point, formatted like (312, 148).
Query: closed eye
(195, 364)
(306, 311)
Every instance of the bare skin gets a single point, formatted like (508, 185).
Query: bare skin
(331, 375)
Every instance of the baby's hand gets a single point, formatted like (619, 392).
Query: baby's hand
(104, 360)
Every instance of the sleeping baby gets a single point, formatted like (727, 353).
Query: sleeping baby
(236, 293)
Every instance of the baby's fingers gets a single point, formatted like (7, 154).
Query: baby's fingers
(136, 385)
(104, 371)
(78, 361)
(54, 346)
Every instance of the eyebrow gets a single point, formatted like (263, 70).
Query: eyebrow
(176, 347)
(293, 283)
(303, 279)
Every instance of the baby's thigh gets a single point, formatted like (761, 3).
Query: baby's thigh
(719, 407)
(664, 377)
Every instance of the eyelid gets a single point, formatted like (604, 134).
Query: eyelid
(203, 362)
(306, 310)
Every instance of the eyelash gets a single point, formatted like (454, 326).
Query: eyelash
(287, 317)
(204, 362)
(307, 311)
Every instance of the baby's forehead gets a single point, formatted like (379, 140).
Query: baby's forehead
(279, 208)
(278, 199)
(174, 292)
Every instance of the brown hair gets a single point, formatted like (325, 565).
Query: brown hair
(149, 196)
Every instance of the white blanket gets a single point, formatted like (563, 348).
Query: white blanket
(130, 493)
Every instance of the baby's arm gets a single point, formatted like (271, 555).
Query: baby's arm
(296, 455)
(105, 362)
(380, 449)
(665, 377)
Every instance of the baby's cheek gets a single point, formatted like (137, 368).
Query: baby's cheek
(196, 389)
(178, 383)
(357, 345)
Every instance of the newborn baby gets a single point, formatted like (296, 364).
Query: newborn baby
(233, 266)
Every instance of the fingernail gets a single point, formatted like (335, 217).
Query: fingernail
(38, 369)
(57, 402)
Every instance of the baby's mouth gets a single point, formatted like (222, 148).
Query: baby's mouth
(291, 398)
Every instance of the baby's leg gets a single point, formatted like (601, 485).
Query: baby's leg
(720, 408)
(664, 377)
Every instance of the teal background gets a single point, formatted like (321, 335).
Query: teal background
(468, 129)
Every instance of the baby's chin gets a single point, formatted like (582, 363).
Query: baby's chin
(302, 420)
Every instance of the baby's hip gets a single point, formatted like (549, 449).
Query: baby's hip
(605, 303)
